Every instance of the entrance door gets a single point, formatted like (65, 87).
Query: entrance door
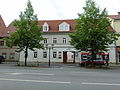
(64, 57)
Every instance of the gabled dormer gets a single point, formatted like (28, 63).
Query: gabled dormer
(64, 27)
(45, 27)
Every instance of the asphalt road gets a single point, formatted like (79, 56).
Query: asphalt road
(57, 78)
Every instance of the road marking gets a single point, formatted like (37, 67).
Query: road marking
(14, 73)
(30, 74)
(35, 81)
(84, 72)
(105, 84)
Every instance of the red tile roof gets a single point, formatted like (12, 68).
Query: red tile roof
(110, 28)
(11, 28)
(115, 16)
(3, 29)
(54, 24)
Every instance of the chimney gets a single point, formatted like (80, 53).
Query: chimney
(118, 13)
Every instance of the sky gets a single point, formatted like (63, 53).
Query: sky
(52, 9)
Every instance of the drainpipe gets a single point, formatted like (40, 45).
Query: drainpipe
(116, 53)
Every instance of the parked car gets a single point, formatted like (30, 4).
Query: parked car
(2, 59)
(98, 61)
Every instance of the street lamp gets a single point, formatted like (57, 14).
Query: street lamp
(49, 47)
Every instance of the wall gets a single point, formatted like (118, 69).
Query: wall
(116, 26)
(59, 47)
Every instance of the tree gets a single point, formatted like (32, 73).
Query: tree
(28, 34)
(92, 30)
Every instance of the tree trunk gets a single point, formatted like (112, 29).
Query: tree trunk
(93, 53)
(26, 55)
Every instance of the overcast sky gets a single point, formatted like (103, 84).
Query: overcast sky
(52, 9)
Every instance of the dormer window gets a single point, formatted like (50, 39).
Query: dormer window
(45, 27)
(64, 27)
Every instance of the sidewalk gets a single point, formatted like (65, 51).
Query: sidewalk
(114, 66)
(59, 65)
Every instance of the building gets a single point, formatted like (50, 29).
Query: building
(115, 23)
(57, 34)
(58, 48)
(8, 53)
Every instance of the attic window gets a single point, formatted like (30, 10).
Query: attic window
(64, 27)
(45, 27)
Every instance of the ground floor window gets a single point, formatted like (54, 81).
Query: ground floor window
(4, 55)
(59, 55)
(35, 54)
(54, 54)
(1, 43)
(12, 55)
(44, 54)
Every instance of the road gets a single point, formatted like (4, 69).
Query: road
(57, 78)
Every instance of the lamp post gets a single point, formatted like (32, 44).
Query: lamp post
(49, 47)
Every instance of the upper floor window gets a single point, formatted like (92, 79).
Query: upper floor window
(64, 27)
(45, 41)
(45, 27)
(64, 40)
(54, 40)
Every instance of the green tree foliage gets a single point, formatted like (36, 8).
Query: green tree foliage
(28, 34)
(92, 30)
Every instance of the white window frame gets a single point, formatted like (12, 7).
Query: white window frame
(64, 27)
(54, 40)
(59, 55)
(35, 54)
(54, 54)
(45, 41)
(64, 40)
(44, 54)
(45, 27)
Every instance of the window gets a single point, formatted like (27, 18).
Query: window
(54, 54)
(4, 55)
(64, 26)
(59, 55)
(12, 55)
(64, 40)
(44, 54)
(61, 28)
(54, 40)
(1, 43)
(35, 54)
(45, 27)
(45, 41)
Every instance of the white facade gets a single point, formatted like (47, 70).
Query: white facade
(62, 50)
(58, 49)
